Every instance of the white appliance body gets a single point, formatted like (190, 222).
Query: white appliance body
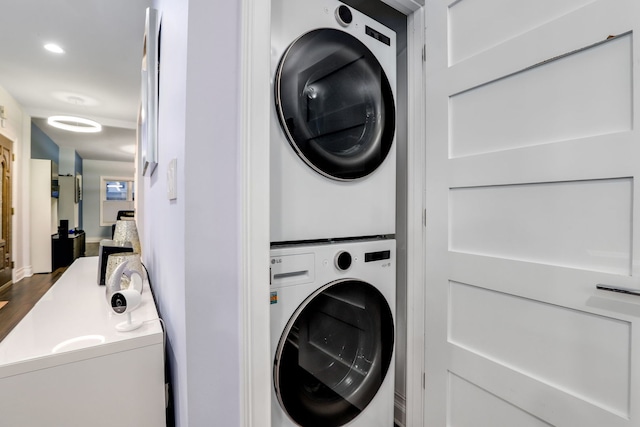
(344, 185)
(332, 334)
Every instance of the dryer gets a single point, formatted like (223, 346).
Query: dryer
(332, 138)
(332, 334)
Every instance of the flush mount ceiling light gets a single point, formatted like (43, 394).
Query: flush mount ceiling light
(74, 124)
(52, 47)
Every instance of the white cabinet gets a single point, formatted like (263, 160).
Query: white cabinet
(65, 364)
(44, 213)
(67, 205)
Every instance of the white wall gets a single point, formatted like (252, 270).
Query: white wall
(17, 127)
(191, 245)
(92, 171)
(163, 222)
(67, 161)
(213, 214)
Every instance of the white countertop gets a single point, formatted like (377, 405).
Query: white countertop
(73, 321)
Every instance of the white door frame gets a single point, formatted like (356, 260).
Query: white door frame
(255, 108)
(254, 128)
(416, 281)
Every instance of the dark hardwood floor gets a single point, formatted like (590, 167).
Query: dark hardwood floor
(22, 296)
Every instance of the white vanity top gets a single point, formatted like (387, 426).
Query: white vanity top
(72, 322)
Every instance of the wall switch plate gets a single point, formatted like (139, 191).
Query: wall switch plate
(172, 180)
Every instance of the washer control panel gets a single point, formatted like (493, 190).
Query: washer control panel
(295, 269)
(377, 256)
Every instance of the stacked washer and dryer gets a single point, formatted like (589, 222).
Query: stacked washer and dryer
(333, 184)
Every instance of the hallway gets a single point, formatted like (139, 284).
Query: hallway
(22, 296)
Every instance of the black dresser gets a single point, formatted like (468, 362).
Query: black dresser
(65, 250)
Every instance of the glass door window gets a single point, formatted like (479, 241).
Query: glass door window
(335, 104)
(334, 354)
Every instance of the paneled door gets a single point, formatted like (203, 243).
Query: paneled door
(532, 158)
(5, 210)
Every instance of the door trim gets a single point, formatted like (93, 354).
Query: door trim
(254, 125)
(416, 233)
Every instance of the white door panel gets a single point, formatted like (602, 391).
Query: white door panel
(472, 406)
(532, 200)
(476, 27)
(549, 40)
(554, 223)
(515, 110)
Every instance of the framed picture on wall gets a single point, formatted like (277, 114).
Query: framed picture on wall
(148, 114)
(78, 188)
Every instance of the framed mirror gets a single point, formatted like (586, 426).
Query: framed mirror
(148, 114)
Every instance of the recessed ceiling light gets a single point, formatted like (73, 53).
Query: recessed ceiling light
(52, 47)
(75, 98)
(74, 124)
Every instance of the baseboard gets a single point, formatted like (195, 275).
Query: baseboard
(400, 410)
(6, 285)
(94, 239)
(21, 273)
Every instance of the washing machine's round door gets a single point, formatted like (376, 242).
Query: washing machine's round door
(334, 354)
(335, 104)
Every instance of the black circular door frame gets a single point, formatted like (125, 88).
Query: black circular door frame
(334, 354)
(335, 104)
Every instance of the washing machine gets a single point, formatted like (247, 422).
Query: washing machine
(332, 138)
(332, 334)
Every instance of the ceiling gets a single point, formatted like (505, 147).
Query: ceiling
(98, 76)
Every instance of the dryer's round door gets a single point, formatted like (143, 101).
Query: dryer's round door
(334, 354)
(335, 104)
